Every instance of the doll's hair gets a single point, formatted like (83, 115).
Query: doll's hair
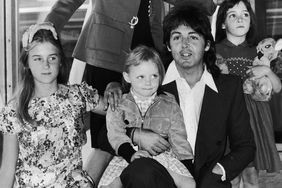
(220, 34)
(25, 88)
(139, 55)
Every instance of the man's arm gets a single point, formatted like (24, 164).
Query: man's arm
(240, 135)
(61, 12)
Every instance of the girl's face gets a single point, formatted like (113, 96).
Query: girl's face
(44, 63)
(144, 78)
(237, 22)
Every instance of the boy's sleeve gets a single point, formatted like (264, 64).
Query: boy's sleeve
(118, 139)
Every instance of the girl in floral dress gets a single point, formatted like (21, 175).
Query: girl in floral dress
(42, 124)
(235, 37)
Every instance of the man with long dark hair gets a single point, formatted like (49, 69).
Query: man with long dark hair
(213, 107)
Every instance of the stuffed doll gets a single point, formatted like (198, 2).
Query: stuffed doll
(268, 54)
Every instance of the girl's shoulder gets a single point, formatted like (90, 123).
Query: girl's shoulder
(9, 122)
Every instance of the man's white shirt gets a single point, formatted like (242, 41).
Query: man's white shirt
(190, 98)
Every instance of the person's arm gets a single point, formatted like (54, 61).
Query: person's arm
(177, 134)
(9, 159)
(149, 141)
(117, 137)
(112, 95)
(100, 107)
(178, 138)
(242, 146)
(261, 70)
(90, 98)
(61, 12)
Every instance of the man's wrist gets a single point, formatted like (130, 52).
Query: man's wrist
(223, 173)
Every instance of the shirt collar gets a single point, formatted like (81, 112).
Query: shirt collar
(230, 44)
(136, 98)
(172, 74)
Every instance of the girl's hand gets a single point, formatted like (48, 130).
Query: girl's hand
(29, 33)
(139, 154)
(112, 95)
(258, 71)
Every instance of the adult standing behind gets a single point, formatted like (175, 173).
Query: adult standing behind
(113, 28)
(212, 103)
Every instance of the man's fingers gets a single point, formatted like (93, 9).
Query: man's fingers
(152, 152)
(164, 142)
(161, 147)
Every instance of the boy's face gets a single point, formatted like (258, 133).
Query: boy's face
(144, 78)
(237, 22)
(187, 47)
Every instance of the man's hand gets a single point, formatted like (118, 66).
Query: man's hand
(217, 170)
(112, 95)
(150, 141)
(138, 154)
(29, 33)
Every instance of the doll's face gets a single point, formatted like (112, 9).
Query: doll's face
(267, 48)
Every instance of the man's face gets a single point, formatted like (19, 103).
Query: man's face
(187, 47)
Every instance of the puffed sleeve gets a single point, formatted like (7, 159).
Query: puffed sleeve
(9, 123)
(89, 95)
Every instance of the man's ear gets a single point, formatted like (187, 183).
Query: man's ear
(126, 77)
(168, 47)
(208, 44)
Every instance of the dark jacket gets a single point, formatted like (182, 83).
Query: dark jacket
(223, 116)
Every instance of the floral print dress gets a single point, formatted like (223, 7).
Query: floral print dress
(50, 152)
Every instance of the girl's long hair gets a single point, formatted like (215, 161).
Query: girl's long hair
(25, 88)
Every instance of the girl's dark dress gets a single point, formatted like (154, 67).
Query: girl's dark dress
(238, 58)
